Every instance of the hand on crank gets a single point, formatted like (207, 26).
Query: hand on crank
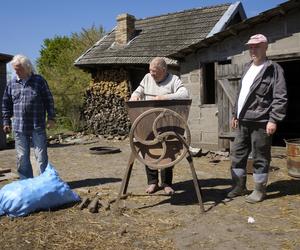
(134, 98)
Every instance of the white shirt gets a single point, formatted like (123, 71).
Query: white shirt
(246, 84)
(171, 87)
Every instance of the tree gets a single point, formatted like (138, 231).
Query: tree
(67, 83)
(51, 51)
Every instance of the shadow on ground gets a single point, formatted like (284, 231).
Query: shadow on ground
(60, 145)
(283, 188)
(92, 182)
(185, 193)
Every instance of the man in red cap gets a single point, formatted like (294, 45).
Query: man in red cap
(261, 103)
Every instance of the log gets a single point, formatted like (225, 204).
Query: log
(105, 205)
(84, 203)
(123, 196)
(5, 170)
(93, 206)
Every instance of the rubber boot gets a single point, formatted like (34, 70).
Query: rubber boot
(258, 194)
(239, 186)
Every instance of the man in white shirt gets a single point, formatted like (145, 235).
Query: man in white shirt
(261, 104)
(158, 84)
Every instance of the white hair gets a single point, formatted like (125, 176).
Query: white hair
(159, 62)
(24, 62)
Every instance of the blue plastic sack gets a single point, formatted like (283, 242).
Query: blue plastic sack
(45, 191)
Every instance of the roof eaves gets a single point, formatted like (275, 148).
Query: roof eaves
(5, 57)
(122, 61)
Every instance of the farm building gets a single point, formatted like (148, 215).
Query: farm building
(218, 64)
(206, 48)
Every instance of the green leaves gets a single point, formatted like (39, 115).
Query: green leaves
(67, 83)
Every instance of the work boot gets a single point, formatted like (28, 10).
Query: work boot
(239, 186)
(258, 194)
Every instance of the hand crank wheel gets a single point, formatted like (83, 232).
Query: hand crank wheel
(163, 144)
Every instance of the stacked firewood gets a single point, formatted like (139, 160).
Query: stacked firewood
(104, 110)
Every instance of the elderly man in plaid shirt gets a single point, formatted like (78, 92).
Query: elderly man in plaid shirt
(26, 101)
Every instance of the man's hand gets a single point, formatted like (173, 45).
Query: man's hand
(6, 129)
(160, 97)
(134, 98)
(50, 124)
(271, 128)
(234, 122)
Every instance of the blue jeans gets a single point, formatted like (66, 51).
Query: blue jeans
(23, 141)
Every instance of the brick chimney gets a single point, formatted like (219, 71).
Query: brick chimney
(125, 28)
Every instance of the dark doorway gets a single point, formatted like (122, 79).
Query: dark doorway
(209, 83)
(136, 76)
(290, 127)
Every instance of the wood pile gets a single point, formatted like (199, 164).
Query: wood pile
(104, 109)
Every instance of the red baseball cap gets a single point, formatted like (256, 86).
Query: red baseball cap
(258, 38)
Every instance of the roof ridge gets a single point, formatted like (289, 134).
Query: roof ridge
(184, 11)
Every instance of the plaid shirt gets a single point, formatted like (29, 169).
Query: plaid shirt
(26, 102)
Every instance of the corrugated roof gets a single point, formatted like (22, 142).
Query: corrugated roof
(157, 36)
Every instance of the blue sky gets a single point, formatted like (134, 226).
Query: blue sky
(24, 24)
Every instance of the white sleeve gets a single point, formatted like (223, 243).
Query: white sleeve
(180, 92)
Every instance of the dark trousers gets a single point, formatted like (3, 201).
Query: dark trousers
(166, 175)
(252, 136)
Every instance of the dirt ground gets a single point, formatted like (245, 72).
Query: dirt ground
(156, 221)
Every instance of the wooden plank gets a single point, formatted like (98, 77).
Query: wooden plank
(226, 122)
(228, 77)
(8, 176)
(5, 170)
(221, 114)
(228, 90)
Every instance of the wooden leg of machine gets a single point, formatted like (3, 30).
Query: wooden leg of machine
(127, 175)
(196, 183)
(125, 181)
